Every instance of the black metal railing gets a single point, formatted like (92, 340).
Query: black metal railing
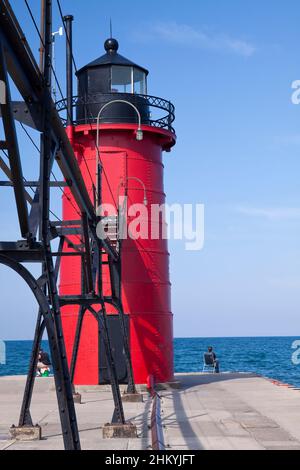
(88, 107)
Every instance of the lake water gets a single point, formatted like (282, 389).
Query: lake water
(268, 356)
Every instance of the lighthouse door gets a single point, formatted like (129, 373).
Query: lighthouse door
(117, 351)
(114, 174)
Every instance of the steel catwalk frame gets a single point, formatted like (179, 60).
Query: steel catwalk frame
(38, 231)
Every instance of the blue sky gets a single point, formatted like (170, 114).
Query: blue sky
(228, 68)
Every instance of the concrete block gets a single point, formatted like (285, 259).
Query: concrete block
(127, 431)
(132, 397)
(77, 398)
(26, 433)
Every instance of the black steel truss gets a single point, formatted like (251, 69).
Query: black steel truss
(37, 230)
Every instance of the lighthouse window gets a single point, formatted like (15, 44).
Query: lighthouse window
(121, 79)
(139, 82)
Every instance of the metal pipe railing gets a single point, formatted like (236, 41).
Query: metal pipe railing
(156, 426)
(157, 434)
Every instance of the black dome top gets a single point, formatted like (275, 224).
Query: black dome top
(111, 45)
(111, 57)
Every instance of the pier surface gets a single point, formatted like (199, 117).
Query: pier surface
(209, 411)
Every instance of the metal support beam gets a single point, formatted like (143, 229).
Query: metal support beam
(7, 172)
(22, 251)
(81, 313)
(35, 184)
(118, 415)
(115, 269)
(60, 368)
(66, 408)
(13, 149)
(42, 33)
(25, 416)
(68, 19)
(25, 73)
(87, 258)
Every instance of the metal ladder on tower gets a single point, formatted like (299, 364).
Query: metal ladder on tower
(112, 231)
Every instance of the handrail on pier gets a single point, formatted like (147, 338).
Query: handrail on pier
(157, 434)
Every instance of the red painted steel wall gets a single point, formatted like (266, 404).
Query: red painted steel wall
(145, 263)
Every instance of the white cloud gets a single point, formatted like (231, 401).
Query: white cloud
(271, 213)
(186, 35)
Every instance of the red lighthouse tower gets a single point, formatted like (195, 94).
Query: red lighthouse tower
(126, 131)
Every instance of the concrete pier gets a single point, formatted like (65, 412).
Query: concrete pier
(209, 411)
(231, 412)
(93, 413)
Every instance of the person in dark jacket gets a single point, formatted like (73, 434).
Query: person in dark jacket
(216, 361)
(44, 362)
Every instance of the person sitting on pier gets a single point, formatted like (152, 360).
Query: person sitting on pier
(210, 360)
(43, 365)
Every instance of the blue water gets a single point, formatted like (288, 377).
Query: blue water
(269, 356)
(18, 356)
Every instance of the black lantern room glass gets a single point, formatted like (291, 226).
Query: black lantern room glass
(128, 80)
